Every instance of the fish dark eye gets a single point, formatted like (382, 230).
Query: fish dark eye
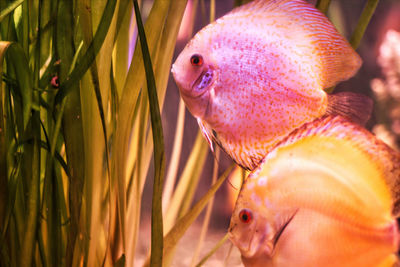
(245, 216)
(196, 60)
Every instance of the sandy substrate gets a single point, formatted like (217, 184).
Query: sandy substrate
(187, 246)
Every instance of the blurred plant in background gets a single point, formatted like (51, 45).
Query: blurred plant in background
(387, 90)
(76, 139)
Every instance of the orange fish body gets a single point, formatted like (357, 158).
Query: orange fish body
(257, 73)
(324, 196)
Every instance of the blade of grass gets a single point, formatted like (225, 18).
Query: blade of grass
(363, 22)
(168, 40)
(53, 205)
(206, 221)
(213, 250)
(240, 2)
(16, 57)
(10, 8)
(83, 249)
(98, 246)
(21, 19)
(12, 185)
(70, 110)
(191, 172)
(163, 59)
(125, 10)
(50, 204)
(27, 197)
(3, 145)
(7, 26)
(212, 10)
(173, 236)
(94, 182)
(128, 100)
(33, 199)
(14, 221)
(323, 5)
(159, 155)
(142, 136)
(167, 45)
(358, 33)
(141, 168)
(176, 153)
(121, 48)
(58, 157)
(335, 15)
(101, 83)
(90, 54)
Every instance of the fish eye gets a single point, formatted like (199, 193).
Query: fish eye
(196, 60)
(245, 216)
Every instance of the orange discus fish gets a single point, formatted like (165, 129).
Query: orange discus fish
(327, 195)
(257, 73)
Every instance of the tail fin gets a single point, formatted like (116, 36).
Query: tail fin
(355, 107)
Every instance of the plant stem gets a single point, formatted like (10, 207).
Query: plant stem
(363, 22)
(33, 198)
(159, 155)
(323, 5)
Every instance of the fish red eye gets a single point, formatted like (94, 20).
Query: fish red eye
(196, 60)
(245, 216)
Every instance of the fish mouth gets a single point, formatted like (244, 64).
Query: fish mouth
(205, 80)
(251, 247)
(255, 245)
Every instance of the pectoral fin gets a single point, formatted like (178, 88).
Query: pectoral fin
(206, 133)
(282, 228)
(211, 136)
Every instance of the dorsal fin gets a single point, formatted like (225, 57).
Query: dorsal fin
(338, 60)
(386, 158)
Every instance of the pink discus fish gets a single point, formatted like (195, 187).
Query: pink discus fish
(259, 72)
(327, 195)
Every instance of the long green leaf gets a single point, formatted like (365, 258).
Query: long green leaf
(363, 22)
(3, 145)
(31, 152)
(90, 55)
(176, 152)
(207, 216)
(58, 157)
(70, 110)
(10, 8)
(323, 5)
(33, 199)
(190, 175)
(126, 113)
(102, 247)
(240, 2)
(17, 59)
(167, 45)
(122, 45)
(159, 155)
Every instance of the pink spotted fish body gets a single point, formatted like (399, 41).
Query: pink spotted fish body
(327, 195)
(257, 73)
